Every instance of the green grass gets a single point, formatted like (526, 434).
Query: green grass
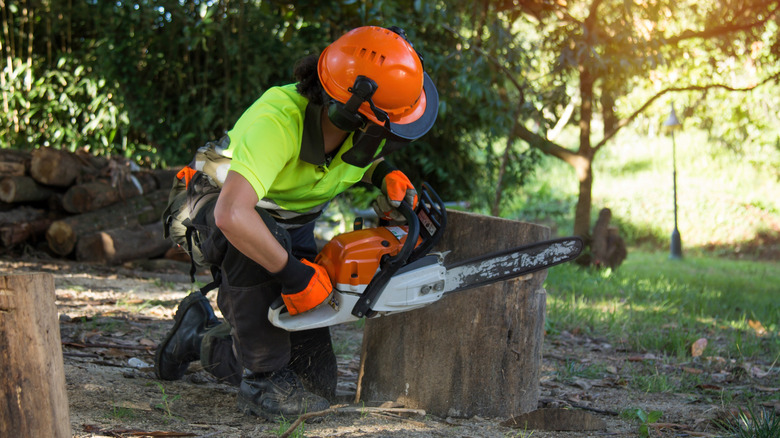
(653, 303)
(752, 423)
(570, 370)
(121, 413)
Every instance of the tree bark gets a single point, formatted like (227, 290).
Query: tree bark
(32, 384)
(584, 198)
(120, 245)
(23, 189)
(476, 352)
(585, 168)
(63, 234)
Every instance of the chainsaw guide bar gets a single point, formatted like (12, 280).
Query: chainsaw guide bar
(512, 263)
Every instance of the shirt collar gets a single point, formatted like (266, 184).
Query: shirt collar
(312, 144)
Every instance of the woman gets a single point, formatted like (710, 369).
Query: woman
(248, 203)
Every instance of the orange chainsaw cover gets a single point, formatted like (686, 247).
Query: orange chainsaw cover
(353, 258)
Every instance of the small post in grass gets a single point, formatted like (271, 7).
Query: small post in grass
(671, 124)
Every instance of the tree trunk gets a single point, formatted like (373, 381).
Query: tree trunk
(63, 234)
(22, 189)
(120, 245)
(584, 200)
(585, 168)
(32, 384)
(476, 352)
(495, 210)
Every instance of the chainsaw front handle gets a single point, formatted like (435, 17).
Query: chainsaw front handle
(389, 265)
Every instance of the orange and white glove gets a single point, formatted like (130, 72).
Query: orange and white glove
(395, 187)
(305, 285)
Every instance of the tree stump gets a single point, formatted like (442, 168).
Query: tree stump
(32, 384)
(607, 248)
(476, 352)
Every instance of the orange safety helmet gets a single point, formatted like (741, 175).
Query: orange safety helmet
(374, 74)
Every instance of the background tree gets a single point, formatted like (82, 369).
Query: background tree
(594, 54)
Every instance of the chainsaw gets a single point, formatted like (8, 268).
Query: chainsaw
(391, 269)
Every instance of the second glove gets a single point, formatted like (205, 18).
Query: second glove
(395, 187)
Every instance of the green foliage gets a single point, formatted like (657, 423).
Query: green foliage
(166, 400)
(201, 66)
(155, 79)
(68, 107)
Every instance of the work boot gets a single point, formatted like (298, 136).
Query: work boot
(182, 343)
(277, 394)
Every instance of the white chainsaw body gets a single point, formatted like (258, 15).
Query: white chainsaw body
(418, 286)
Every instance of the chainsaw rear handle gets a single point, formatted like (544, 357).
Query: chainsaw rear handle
(389, 265)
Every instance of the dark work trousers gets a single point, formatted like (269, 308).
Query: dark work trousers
(245, 294)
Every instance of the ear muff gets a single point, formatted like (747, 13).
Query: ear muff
(345, 116)
(342, 118)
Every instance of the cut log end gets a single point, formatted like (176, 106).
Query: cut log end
(61, 238)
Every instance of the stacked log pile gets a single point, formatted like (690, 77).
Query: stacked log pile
(77, 205)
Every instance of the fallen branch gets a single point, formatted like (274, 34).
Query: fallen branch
(117, 346)
(91, 428)
(348, 409)
(74, 354)
(680, 428)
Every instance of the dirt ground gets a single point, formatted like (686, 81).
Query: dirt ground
(112, 318)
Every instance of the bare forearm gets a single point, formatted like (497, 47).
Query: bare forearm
(243, 227)
(249, 234)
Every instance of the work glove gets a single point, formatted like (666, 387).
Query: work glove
(395, 187)
(305, 285)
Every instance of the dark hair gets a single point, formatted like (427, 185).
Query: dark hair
(305, 73)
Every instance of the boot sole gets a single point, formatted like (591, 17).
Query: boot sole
(189, 301)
